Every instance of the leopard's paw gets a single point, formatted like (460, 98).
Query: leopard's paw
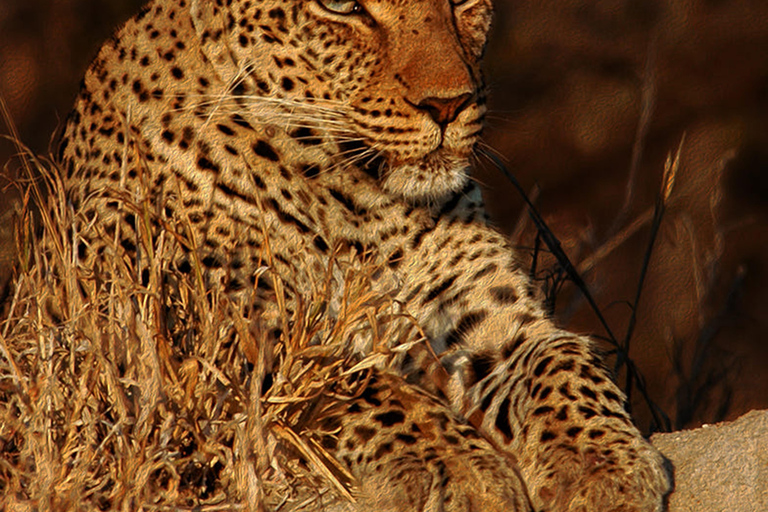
(601, 478)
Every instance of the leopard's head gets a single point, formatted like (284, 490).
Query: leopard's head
(396, 83)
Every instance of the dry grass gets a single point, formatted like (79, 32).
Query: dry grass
(118, 393)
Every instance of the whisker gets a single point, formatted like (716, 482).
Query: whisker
(350, 162)
(337, 114)
(376, 154)
(486, 150)
(355, 152)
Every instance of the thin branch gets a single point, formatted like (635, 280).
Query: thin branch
(553, 244)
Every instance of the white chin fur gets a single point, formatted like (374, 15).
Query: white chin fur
(430, 179)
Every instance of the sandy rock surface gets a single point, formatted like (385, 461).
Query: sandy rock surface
(719, 468)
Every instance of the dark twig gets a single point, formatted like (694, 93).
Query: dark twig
(553, 244)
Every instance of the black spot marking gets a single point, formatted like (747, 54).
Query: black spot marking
(234, 285)
(234, 193)
(320, 244)
(545, 409)
(384, 449)
(482, 365)
(369, 396)
(564, 366)
(310, 171)
(440, 288)
(595, 433)
(451, 439)
(542, 366)
(466, 324)
(502, 419)
(184, 267)
(573, 432)
(584, 390)
(263, 149)
(226, 130)
(547, 435)
(611, 414)
(346, 201)
(206, 165)
(365, 433)
(390, 418)
(287, 217)
(503, 294)
(565, 390)
(241, 122)
(128, 245)
(306, 136)
(419, 236)
(512, 345)
(488, 269)
(395, 258)
(258, 181)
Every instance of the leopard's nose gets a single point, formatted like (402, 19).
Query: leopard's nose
(445, 110)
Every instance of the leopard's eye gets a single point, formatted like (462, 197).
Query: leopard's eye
(342, 6)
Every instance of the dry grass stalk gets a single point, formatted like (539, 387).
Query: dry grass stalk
(123, 393)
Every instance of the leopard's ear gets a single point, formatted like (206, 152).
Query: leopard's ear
(473, 21)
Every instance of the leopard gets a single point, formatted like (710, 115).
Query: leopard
(285, 132)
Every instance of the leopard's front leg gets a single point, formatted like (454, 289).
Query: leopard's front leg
(550, 401)
(538, 391)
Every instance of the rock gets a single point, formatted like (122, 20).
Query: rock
(719, 468)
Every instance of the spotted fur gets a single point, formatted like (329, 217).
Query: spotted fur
(281, 132)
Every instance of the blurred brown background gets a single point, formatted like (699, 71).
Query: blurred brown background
(588, 100)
